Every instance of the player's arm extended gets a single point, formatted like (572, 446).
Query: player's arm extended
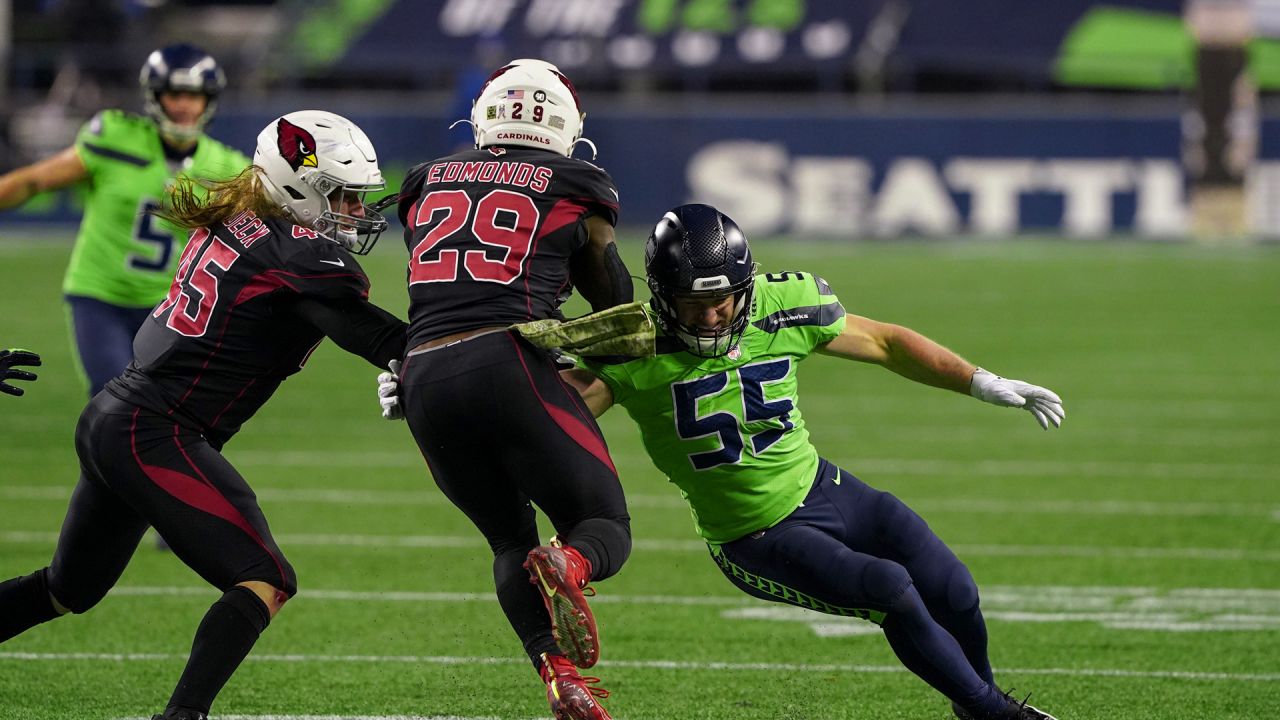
(359, 327)
(594, 391)
(52, 173)
(598, 271)
(918, 358)
(901, 350)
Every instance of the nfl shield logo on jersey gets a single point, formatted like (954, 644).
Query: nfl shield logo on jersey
(734, 353)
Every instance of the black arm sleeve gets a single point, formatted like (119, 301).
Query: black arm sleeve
(409, 191)
(359, 327)
(601, 277)
(619, 279)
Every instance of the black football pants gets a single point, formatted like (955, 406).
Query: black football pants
(500, 430)
(139, 468)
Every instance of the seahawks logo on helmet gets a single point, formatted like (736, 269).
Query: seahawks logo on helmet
(296, 145)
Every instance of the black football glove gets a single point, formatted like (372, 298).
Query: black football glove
(9, 358)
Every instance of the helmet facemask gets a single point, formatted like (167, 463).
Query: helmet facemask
(173, 132)
(356, 234)
(698, 340)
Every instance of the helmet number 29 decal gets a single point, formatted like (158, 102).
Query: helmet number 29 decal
(517, 112)
(734, 435)
(194, 291)
(502, 219)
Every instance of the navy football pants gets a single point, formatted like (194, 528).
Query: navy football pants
(852, 550)
(104, 337)
(499, 429)
(138, 469)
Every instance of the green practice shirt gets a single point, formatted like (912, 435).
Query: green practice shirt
(123, 255)
(727, 430)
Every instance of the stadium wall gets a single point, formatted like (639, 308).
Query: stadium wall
(870, 175)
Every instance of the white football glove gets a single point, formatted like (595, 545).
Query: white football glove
(389, 392)
(1043, 403)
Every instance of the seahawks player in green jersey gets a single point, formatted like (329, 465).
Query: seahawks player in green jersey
(124, 257)
(718, 413)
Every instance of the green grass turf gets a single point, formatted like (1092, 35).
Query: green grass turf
(1155, 509)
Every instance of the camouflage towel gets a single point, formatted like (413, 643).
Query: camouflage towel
(620, 330)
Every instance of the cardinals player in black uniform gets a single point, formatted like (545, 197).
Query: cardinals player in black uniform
(499, 235)
(268, 273)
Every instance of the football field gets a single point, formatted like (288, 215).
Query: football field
(1129, 562)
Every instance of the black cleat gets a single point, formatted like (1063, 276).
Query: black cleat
(1014, 710)
(1028, 712)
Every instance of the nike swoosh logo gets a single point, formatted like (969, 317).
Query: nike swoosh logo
(551, 591)
(333, 262)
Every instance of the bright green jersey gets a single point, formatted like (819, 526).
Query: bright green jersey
(124, 255)
(727, 430)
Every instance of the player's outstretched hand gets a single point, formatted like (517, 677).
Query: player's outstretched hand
(9, 358)
(389, 393)
(1042, 403)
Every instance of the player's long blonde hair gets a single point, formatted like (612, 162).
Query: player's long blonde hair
(193, 203)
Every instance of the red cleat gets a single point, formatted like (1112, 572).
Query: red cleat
(561, 575)
(572, 696)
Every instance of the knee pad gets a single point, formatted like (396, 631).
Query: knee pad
(885, 582)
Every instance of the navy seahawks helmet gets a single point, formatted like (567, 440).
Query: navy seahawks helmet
(180, 68)
(698, 252)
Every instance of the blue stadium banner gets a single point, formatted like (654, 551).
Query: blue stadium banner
(868, 175)
(600, 36)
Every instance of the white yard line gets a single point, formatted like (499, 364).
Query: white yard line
(413, 596)
(356, 717)
(398, 498)
(900, 466)
(1067, 468)
(360, 717)
(1002, 468)
(718, 667)
(1121, 608)
(356, 540)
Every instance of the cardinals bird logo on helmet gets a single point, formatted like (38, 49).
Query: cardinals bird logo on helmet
(297, 146)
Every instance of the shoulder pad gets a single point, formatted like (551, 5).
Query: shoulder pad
(785, 288)
(112, 123)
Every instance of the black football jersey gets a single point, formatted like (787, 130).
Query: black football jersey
(490, 233)
(250, 301)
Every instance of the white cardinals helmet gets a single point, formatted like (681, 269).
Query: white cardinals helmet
(528, 102)
(310, 156)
